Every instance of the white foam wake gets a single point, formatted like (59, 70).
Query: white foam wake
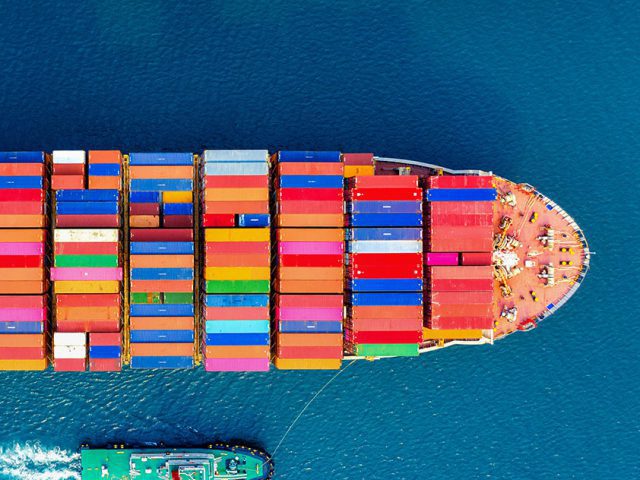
(34, 462)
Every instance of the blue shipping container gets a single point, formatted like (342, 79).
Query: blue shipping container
(104, 169)
(461, 194)
(87, 195)
(143, 197)
(104, 351)
(161, 336)
(383, 233)
(161, 362)
(303, 156)
(237, 339)
(237, 300)
(386, 284)
(20, 182)
(217, 169)
(311, 181)
(237, 326)
(161, 185)
(254, 220)
(162, 274)
(361, 206)
(161, 158)
(21, 157)
(385, 220)
(177, 208)
(21, 327)
(87, 208)
(152, 248)
(383, 299)
(309, 326)
(161, 310)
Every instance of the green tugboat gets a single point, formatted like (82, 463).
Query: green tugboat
(217, 462)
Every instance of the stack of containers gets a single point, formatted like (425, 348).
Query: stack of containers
(235, 206)
(23, 311)
(161, 260)
(460, 210)
(309, 261)
(68, 172)
(87, 264)
(358, 165)
(385, 266)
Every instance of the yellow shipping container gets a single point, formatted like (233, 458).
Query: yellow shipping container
(359, 170)
(39, 364)
(237, 273)
(236, 194)
(237, 235)
(177, 197)
(307, 363)
(82, 286)
(429, 334)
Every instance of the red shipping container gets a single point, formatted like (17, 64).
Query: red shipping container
(461, 323)
(236, 181)
(70, 364)
(460, 220)
(161, 235)
(22, 301)
(456, 285)
(463, 208)
(68, 169)
(21, 353)
(219, 220)
(305, 194)
(144, 209)
(412, 336)
(73, 221)
(22, 195)
(310, 260)
(385, 324)
(461, 181)
(237, 313)
(67, 182)
(21, 169)
(86, 248)
(357, 158)
(378, 194)
(246, 260)
(302, 206)
(455, 298)
(88, 326)
(236, 248)
(392, 270)
(250, 206)
(177, 221)
(385, 182)
(22, 208)
(309, 352)
(105, 365)
(88, 300)
(390, 311)
(309, 301)
(21, 261)
(105, 339)
(477, 258)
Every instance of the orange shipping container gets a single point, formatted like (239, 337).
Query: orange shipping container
(311, 273)
(237, 351)
(162, 349)
(236, 207)
(309, 286)
(156, 172)
(21, 286)
(28, 221)
(22, 235)
(309, 339)
(464, 310)
(180, 286)
(307, 220)
(236, 194)
(105, 156)
(87, 313)
(161, 323)
(67, 182)
(21, 340)
(21, 169)
(310, 168)
(144, 221)
(22, 274)
(246, 260)
(390, 311)
(105, 183)
(311, 235)
(161, 261)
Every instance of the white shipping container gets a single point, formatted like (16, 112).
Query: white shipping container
(69, 339)
(237, 168)
(385, 246)
(85, 235)
(69, 156)
(236, 156)
(70, 351)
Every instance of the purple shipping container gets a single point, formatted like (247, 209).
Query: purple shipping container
(236, 365)
(442, 258)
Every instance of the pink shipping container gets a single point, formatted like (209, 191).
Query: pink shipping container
(475, 272)
(23, 314)
(442, 258)
(310, 314)
(457, 298)
(459, 284)
(461, 181)
(385, 181)
(236, 365)
(384, 324)
(310, 248)
(307, 301)
(22, 248)
(461, 323)
(466, 208)
(460, 219)
(70, 364)
(237, 313)
(88, 274)
(477, 258)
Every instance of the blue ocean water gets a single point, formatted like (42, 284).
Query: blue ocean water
(545, 92)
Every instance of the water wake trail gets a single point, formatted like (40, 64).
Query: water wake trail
(35, 462)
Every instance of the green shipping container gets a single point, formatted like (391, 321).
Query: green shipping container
(143, 297)
(238, 286)
(387, 350)
(86, 261)
(178, 297)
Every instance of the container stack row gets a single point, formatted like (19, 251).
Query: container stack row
(385, 266)
(87, 271)
(460, 275)
(309, 260)
(161, 260)
(235, 206)
(23, 285)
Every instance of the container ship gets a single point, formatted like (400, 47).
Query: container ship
(216, 462)
(242, 260)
